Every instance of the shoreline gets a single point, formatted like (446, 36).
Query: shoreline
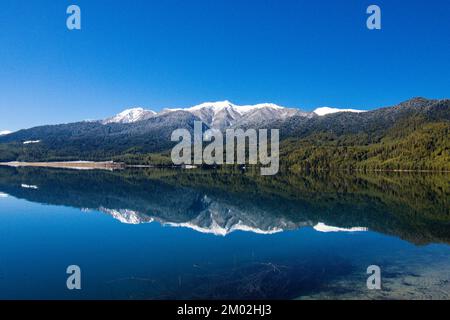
(78, 165)
(88, 165)
(111, 165)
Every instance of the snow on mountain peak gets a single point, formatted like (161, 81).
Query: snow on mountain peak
(249, 108)
(130, 116)
(5, 132)
(326, 110)
(221, 105)
(219, 114)
(224, 114)
(216, 106)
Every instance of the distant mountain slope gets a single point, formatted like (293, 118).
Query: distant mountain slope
(218, 115)
(130, 116)
(411, 135)
(371, 123)
(94, 140)
(414, 135)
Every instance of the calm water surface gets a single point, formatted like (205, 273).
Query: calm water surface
(157, 234)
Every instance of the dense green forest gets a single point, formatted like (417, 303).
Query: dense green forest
(410, 145)
(403, 148)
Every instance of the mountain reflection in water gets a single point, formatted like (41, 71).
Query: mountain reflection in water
(414, 207)
(237, 236)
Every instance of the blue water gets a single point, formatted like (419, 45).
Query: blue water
(157, 261)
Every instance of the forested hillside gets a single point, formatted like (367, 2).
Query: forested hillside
(414, 135)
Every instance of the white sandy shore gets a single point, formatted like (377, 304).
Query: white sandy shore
(78, 165)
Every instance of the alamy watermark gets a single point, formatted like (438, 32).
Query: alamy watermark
(374, 20)
(235, 141)
(74, 280)
(374, 280)
(73, 21)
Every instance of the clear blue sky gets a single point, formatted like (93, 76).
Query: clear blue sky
(170, 53)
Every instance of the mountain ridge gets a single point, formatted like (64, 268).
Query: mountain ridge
(381, 138)
(217, 115)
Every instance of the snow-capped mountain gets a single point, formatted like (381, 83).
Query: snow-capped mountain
(219, 106)
(90, 139)
(268, 113)
(5, 132)
(131, 116)
(224, 114)
(326, 110)
(217, 115)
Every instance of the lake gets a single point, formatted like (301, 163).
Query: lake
(205, 234)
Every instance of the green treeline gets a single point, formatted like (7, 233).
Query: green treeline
(407, 146)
